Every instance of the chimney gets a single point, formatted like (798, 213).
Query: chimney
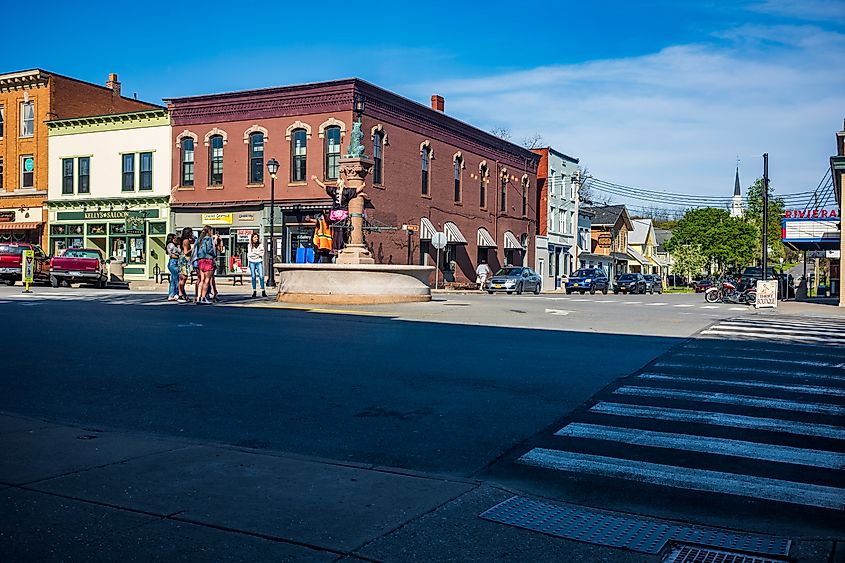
(437, 102)
(113, 84)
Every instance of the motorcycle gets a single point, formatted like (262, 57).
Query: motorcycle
(727, 292)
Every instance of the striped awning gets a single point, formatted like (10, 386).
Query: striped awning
(511, 242)
(18, 226)
(485, 240)
(453, 234)
(426, 229)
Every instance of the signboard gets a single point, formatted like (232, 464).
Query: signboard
(27, 267)
(811, 214)
(216, 218)
(244, 235)
(246, 217)
(438, 240)
(28, 164)
(605, 240)
(767, 294)
(7, 216)
(119, 214)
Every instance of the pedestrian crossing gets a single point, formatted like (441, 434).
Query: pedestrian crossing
(753, 408)
(602, 300)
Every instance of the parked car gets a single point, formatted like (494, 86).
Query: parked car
(11, 254)
(79, 265)
(587, 279)
(630, 283)
(515, 278)
(751, 274)
(700, 286)
(655, 283)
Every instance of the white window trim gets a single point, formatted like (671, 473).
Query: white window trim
(22, 104)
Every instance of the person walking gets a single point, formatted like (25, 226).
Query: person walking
(482, 273)
(255, 259)
(173, 253)
(187, 246)
(206, 253)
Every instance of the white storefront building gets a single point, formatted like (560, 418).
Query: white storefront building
(109, 187)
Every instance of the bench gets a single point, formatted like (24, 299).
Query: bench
(236, 277)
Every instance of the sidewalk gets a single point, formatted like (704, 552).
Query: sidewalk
(70, 493)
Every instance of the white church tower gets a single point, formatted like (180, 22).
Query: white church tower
(736, 203)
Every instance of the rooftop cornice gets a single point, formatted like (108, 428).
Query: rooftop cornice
(115, 118)
(23, 80)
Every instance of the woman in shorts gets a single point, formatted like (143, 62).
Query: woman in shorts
(206, 254)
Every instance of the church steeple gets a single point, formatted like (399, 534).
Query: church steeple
(736, 202)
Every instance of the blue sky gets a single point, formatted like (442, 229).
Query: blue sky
(656, 94)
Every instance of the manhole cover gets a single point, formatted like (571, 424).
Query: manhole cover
(692, 554)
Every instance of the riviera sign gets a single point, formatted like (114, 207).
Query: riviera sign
(810, 214)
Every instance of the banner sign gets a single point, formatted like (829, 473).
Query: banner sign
(216, 218)
(120, 214)
(810, 214)
(7, 216)
(28, 266)
(767, 294)
(244, 235)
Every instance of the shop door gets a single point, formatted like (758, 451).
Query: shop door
(300, 247)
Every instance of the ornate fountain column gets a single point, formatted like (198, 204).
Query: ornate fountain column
(354, 167)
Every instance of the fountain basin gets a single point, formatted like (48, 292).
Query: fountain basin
(352, 284)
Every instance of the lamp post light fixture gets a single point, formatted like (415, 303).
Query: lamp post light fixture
(358, 105)
(272, 168)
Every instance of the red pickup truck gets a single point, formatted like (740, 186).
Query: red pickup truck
(79, 265)
(11, 254)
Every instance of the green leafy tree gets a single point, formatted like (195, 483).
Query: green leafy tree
(688, 260)
(754, 216)
(724, 241)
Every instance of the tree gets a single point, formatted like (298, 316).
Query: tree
(724, 241)
(534, 141)
(754, 216)
(502, 132)
(688, 260)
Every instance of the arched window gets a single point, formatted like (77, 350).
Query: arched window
(503, 196)
(256, 158)
(482, 186)
(525, 196)
(458, 165)
(378, 147)
(298, 141)
(331, 147)
(425, 154)
(215, 160)
(187, 147)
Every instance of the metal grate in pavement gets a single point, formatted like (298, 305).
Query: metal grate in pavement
(692, 554)
(628, 532)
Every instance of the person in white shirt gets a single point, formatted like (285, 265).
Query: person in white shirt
(482, 272)
(255, 259)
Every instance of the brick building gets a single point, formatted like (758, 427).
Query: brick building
(430, 170)
(28, 99)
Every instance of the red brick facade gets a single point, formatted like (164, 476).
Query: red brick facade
(398, 199)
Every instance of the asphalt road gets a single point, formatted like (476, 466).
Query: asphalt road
(407, 386)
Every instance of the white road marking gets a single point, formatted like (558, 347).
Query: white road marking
(684, 305)
(582, 299)
(656, 304)
(721, 356)
(745, 327)
(710, 307)
(731, 399)
(558, 298)
(716, 347)
(632, 302)
(721, 419)
(808, 389)
(756, 370)
(686, 478)
(738, 309)
(189, 325)
(705, 444)
(557, 312)
(775, 336)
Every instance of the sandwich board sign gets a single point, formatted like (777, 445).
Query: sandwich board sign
(767, 294)
(27, 268)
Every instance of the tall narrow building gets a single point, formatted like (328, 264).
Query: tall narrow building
(736, 203)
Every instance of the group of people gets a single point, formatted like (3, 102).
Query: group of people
(187, 254)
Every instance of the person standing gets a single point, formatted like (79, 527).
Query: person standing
(255, 259)
(482, 272)
(206, 254)
(187, 247)
(173, 253)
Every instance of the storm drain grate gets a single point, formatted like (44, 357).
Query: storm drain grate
(636, 534)
(690, 554)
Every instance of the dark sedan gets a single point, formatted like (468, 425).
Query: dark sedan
(630, 283)
(655, 283)
(515, 278)
(587, 279)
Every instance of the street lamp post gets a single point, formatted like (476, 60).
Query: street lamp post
(272, 168)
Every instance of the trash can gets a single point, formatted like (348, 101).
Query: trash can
(115, 270)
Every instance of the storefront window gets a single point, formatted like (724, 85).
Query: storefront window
(137, 250)
(97, 230)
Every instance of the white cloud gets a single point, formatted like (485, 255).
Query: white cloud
(814, 10)
(678, 118)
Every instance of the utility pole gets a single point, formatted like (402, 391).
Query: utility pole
(765, 216)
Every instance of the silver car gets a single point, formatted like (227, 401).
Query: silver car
(514, 278)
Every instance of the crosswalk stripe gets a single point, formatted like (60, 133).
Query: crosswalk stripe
(725, 325)
(684, 305)
(710, 307)
(768, 335)
(730, 399)
(757, 370)
(809, 389)
(694, 479)
(717, 347)
(705, 444)
(656, 304)
(723, 356)
(721, 419)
